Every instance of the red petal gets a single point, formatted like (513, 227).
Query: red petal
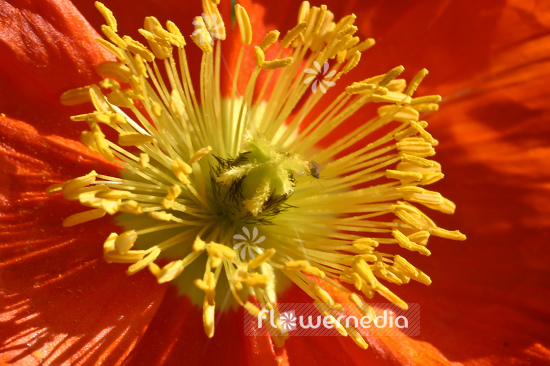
(46, 48)
(61, 302)
(176, 336)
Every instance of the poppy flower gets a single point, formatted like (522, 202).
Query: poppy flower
(63, 304)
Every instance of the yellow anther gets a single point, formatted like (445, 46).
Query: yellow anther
(322, 294)
(296, 265)
(254, 310)
(336, 324)
(415, 82)
(217, 25)
(363, 270)
(177, 40)
(119, 99)
(173, 192)
(208, 285)
(384, 291)
(107, 15)
(199, 245)
(181, 170)
(132, 207)
(141, 264)
(259, 56)
(346, 31)
(426, 107)
(293, 33)
(454, 235)
(109, 83)
(261, 259)
(82, 217)
(76, 96)
(363, 307)
(391, 97)
(220, 251)
(160, 215)
(304, 266)
(360, 87)
(111, 207)
(277, 64)
(363, 46)
(200, 154)
(109, 244)
(420, 237)
(102, 146)
(132, 256)
(72, 188)
(125, 241)
(169, 271)
(112, 48)
(269, 39)
(405, 177)
(421, 162)
(161, 47)
(426, 99)
(420, 195)
(201, 37)
(365, 242)
(358, 339)
(341, 56)
(144, 160)
(353, 62)
(416, 146)
(369, 257)
(141, 69)
(409, 217)
(351, 43)
(157, 109)
(392, 74)
(422, 132)
(304, 10)
(176, 104)
(345, 21)
(405, 265)
(167, 203)
(255, 280)
(113, 37)
(446, 206)
(405, 243)
(139, 49)
(403, 114)
(339, 47)
(244, 24)
(134, 139)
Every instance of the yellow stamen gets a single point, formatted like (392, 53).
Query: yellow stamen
(244, 24)
(233, 178)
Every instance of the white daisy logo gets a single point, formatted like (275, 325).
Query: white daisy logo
(319, 76)
(248, 244)
(288, 321)
(210, 30)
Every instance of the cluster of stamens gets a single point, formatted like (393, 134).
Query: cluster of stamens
(181, 159)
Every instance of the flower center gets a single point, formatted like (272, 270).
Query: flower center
(237, 187)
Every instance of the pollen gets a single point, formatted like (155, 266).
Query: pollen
(244, 188)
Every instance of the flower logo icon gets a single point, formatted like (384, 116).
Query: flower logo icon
(209, 29)
(248, 244)
(319, 77)
(288, 321)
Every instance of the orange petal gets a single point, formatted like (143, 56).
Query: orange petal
(61, 302)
